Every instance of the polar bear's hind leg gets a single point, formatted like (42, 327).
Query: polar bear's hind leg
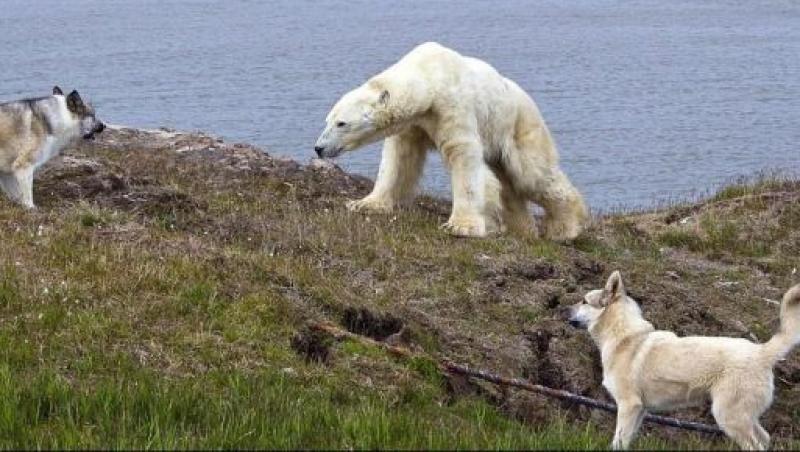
(533, 171)
(565, 212)
(516, 216)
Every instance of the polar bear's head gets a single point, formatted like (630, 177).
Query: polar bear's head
(359, 118)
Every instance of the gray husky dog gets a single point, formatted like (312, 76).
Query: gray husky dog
(32, 131)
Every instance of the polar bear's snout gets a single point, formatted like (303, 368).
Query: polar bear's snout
(330, 144)
(326, 148)
(322, 144)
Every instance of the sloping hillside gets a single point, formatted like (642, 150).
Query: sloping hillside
(161, 295)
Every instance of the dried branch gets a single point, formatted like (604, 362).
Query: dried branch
(575, 398)
(451, 367)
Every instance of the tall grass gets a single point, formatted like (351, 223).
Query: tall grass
(267, 410)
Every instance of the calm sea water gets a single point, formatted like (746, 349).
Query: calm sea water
(648, 100)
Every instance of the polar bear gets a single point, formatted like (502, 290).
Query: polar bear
(490, 133)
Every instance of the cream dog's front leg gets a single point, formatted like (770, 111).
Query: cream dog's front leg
(629, 418)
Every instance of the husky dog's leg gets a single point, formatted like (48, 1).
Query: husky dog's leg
(5, 185)
(9, 185)
(763, 436)
(24, 182)
(629, 419)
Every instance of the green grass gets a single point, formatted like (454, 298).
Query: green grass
(268, 409)
(168, 322)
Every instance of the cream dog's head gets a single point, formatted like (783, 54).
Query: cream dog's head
(601, 306)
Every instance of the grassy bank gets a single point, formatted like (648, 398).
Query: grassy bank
(160, 297)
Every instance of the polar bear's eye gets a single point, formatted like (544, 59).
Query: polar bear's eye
(341, 124)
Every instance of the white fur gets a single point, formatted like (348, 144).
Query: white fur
(479, 120)
(645, 369)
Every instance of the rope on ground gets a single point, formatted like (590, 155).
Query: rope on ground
(459, 369)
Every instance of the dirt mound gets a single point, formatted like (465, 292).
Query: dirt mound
(110, 187)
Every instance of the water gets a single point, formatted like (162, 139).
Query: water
(648, 100)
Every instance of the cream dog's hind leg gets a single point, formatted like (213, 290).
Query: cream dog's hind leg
(736, 418)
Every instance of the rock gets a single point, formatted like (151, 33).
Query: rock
(322, 164)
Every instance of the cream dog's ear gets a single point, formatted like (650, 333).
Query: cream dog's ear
(614, 289)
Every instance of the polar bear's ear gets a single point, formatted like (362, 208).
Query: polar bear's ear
(384, 97)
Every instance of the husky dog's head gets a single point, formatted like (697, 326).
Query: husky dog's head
(601, 304)
(83, 113)
(357, 119)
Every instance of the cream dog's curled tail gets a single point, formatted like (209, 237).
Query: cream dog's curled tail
(789, 333)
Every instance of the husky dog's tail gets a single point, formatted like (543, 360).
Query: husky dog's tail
(789, 333)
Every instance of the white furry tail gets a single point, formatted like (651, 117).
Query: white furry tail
(789, 334)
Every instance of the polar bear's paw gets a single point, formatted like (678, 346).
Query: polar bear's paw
(369, 205)
(466, 227)
(561, 231)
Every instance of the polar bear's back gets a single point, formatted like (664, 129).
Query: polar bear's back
(462, 79)
(445, 69)
(464, 85)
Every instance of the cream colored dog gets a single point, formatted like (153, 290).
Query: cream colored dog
(646, 369)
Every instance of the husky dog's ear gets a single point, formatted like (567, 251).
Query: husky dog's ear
(614, 288)
(57, 91)
(74, 102)
(384, 97)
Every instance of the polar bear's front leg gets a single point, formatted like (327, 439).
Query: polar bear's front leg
(401, 167)
(469, 174)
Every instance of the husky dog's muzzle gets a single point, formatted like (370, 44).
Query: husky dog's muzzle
(98, 128)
